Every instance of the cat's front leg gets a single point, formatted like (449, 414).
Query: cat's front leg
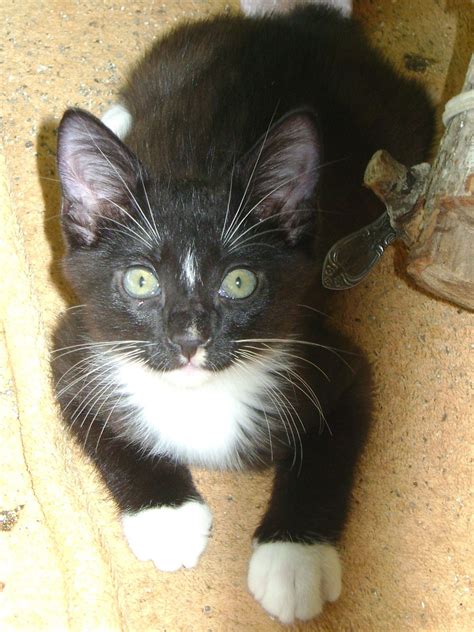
(292, 580)
(293, 570)
(295, 566)
(164, 518)
(170, 536)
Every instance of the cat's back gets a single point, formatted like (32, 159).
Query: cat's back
(209, 90)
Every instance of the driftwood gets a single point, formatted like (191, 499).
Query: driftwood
(432, 210)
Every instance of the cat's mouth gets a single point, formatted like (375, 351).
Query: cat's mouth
(188, 370)
(191, 371)
(189, 375)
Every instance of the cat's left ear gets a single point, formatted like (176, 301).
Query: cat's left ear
(281, 172)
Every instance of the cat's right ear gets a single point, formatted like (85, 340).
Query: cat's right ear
(98, 176)
(280, 174)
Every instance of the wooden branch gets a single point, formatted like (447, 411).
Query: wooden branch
(433, 210)
(401, 190)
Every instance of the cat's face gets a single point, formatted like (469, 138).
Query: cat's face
(191, 270)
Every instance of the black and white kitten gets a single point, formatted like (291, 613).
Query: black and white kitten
(196, 216)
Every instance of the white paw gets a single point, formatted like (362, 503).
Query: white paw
(171, 537)
(292, 581)
(118, 119)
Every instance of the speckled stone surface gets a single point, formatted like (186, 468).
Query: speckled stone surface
(64, 565)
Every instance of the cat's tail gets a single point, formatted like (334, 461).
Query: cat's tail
(260, 7)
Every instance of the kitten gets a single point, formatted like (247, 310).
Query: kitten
(196, 220)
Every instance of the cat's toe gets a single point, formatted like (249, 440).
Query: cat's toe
(171, 537)
(292, 581)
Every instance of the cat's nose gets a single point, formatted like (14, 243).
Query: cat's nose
(187, 344)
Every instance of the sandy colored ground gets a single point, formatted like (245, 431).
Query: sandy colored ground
(64, 564)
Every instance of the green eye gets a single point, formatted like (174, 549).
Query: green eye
(140, 283)
(239, 283)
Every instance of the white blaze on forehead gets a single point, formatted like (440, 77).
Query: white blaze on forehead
(189, 270)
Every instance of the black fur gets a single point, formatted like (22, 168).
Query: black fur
(305, 101)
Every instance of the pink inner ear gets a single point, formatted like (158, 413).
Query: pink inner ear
(81, 182)
(97, 171)
(283, 172)
(287, 172)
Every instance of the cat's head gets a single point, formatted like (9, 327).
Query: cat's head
(188, 269)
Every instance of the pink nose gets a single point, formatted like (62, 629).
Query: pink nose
(187, 344)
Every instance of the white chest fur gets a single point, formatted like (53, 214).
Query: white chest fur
(202, 421)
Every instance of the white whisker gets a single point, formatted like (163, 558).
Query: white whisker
(228, 200)
(155, 228)
(297, 357)
(95, 345)
(283, 405)
(250, 211)
(84, 376)
(313, 309)
(236, 241)
(134, 166)
(230, 237)
(144, 240)
(242, 201)
(291, 341)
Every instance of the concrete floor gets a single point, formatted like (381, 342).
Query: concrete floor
(64, 565)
